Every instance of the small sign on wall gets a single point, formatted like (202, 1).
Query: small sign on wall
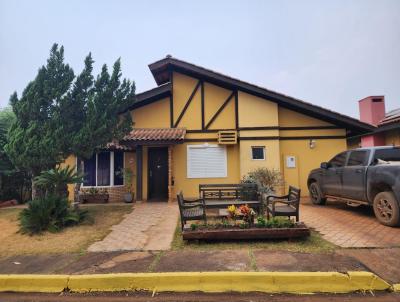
(290, 161)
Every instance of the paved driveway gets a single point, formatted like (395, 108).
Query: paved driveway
(348, 227)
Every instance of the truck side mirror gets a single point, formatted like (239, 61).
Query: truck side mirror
(325, 165)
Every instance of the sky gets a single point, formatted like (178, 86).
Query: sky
(329, 53)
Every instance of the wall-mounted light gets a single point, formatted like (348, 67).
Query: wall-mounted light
(312, 143)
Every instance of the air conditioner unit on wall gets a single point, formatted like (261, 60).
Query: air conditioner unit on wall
(227, 137)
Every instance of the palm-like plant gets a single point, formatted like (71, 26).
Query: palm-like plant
(55, 181)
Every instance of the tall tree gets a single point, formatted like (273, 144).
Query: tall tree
(60, 114)
(7, 117)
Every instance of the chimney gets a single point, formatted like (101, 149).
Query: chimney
(372, 111)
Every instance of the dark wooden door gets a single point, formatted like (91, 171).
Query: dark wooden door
(158, 173)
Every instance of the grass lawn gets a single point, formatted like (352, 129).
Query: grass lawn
(313, 244)
(70, 240)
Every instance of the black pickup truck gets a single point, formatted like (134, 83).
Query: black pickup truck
(369, 176)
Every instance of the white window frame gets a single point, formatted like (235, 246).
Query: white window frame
(111, 172)
(251, 153)
(206, 145)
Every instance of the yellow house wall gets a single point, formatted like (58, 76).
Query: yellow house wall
(272, 160)
(183, 87)
(158, 111)
(256, 112)
(306, 158)
(190, 186)
(70, 161)
(214, 97)
(290, 118)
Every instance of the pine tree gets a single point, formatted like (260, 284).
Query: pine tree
(59, 114)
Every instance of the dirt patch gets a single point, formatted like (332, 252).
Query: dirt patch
(383, 262)
(71, 240)
(290, 262)
(184, 261)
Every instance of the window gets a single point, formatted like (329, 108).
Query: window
(392, 154)
(103, 169)
(118, 168)
(206, 161)
(357, 158)
(258, 153)
(339, 160)
(89, 170)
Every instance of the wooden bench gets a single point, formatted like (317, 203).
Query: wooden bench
(287, 205)
(219, 196)
(191, 209)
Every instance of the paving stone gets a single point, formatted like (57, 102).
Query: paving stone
(348, 227)
(150, 226)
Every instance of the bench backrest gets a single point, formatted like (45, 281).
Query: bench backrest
(294, 194)
(228, 191)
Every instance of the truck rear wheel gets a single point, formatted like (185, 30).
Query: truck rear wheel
(316, 194)
(386, 209)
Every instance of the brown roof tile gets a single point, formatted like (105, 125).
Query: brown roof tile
(391, 117)
(156, 134)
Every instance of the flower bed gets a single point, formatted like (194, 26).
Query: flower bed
(241, 224)
(236, 232)
(93, 195)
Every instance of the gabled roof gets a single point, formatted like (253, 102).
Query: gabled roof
(151, 95)
(162, 71)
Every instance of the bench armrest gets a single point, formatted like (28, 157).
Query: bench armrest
(193, 203)
(276, 197)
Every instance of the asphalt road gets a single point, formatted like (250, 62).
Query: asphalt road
(195, 297)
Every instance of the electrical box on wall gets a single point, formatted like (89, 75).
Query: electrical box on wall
(290, 161)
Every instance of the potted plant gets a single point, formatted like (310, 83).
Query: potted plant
(128, 180)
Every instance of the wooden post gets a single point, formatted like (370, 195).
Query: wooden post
(170, 175)
(139, 173)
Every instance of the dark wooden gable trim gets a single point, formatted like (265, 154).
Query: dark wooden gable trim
(220, 110)
(285, 101)
(236, 109)
(151, 96)
(171, 99)
(202, 105)
(187, 103)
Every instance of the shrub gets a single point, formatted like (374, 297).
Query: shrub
(55, 181)
(50, 213)
(265, 178)
(261, 222)
(279, 222)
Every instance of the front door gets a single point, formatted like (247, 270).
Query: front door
(158, 173)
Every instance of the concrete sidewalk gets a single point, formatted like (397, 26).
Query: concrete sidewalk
(382, 262)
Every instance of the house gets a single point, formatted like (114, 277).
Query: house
(200, 126)
(387, 131)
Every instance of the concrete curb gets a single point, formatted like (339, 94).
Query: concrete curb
(270, 282)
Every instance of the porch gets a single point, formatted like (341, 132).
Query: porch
(153, 161)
